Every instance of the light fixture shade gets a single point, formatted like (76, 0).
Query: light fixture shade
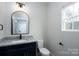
(20, 4)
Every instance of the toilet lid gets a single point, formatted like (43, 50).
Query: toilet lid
(44, 51)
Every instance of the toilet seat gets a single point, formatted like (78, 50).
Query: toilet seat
(44, 51)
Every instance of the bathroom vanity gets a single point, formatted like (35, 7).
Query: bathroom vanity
(18, 48)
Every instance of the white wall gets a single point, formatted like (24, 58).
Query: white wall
(55, 35)
(45, 23)
(1, 18)
(37, 14)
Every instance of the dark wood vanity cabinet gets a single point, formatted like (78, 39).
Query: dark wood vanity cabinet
(26, 49)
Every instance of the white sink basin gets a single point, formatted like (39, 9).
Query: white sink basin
(18, 41)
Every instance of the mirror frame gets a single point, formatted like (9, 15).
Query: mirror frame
(12, 23)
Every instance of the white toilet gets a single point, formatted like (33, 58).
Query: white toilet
(43, 51)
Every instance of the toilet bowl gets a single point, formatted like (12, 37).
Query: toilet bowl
(43, 51)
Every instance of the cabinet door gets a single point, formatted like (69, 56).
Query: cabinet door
(31, 51)
(2, 51)
(15, 52)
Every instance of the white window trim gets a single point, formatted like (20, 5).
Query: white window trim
(63, 24)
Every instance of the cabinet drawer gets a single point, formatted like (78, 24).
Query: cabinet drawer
(28, 49)
(18, 46)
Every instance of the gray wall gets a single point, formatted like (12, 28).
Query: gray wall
(55, 35)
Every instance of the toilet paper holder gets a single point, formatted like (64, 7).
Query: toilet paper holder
(60, 43)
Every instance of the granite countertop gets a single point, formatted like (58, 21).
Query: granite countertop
(7, 42)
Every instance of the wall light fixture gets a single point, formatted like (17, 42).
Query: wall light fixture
(20, 4)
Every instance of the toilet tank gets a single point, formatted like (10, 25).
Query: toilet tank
(40, 43)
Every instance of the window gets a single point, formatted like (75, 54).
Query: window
(70, 18)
